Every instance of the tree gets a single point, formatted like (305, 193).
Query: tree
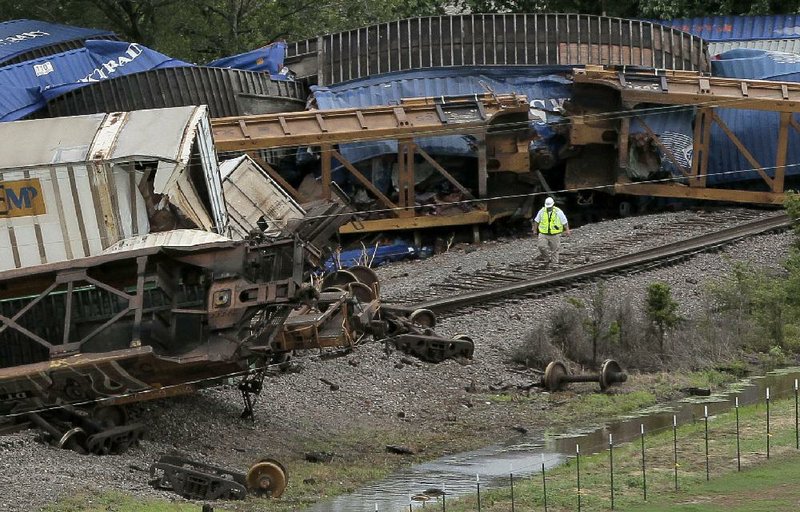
(662, 310)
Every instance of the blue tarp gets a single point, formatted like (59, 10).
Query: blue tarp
(741, 28)
(29, 85)
(21, 36)
(376, 256)
(267, 59)
(545, 86)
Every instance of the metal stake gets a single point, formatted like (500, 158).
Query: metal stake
(478, 483)
(511, 476)
(738, 449)
(796, 417)
(444, 497)
(644, 469)
(611, 466)
(544, 486)
(768, 434)
(578, 466)
(675, 447)
(705, 416)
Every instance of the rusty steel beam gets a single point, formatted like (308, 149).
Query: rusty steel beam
(412, 118)
(713, 194)
(418, 222)
(691, 88)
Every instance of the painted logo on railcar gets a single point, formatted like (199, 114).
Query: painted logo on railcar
(21, 198)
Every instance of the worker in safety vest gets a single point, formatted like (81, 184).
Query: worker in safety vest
(550, 222)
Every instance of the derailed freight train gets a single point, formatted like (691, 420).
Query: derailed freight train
(134, 269)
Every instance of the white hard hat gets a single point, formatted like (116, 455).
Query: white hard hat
(549, 202)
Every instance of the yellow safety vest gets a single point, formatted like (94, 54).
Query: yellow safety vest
(550, 224)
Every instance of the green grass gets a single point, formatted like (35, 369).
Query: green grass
(766, 488)
(365, 458)
(769, 485)
(120, 502)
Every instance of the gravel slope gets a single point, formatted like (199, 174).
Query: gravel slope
(376, 390)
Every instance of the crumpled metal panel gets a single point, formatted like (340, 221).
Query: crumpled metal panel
(546, 88)
(37, 143)
(774, 45)
(73, 186)
(67, 140)
(253, 198)
(138, 138)
(168, 239)
(21, 37)
(757, 64)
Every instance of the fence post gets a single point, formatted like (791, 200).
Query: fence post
(644, 468)
(544, 486)
(675, 447)
(478, 483)
(611, 466)
(511, 478)
(738, 448)
(444, 497)
(705, 416)
(796, 423)
(578, 466)
(768, 434)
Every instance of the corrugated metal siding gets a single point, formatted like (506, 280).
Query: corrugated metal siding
(55, 49)
(545, 86)
(28, 86)
(495, 40)
(757, 130)
(22, 40)
(88, 196)
(73, 225)
(251, 197)
(725, 28)
(227, 92)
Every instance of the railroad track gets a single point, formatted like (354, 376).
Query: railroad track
(700, 222)
(640, 261)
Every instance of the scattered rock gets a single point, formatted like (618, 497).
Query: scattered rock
(400, 450)
(318, 457)
(692, 391)
(333, 386)
(520, 429)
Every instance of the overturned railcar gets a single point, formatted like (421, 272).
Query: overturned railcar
(121, 280)
(226, 92)
(134, 269)
(494, 40)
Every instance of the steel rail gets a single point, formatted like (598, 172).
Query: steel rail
(676, 249)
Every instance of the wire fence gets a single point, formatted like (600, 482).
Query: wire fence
(629, 474)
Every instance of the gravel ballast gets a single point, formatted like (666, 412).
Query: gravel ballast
(376, 390)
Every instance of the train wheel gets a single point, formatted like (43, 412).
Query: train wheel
(367, 276)
(267, 478)
(423, 318)
(338, 279)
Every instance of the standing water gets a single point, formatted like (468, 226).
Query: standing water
(456, 475)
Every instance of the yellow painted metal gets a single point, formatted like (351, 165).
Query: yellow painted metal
(419, 222)
(714, 194)
(412, 118)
